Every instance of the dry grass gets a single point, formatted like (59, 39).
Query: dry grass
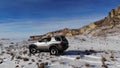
(17, 66)
(30, 63)
(22, 66)
(22, 58)
(29, 54)
(104, 66)
(32, 60)
(53, 61)
(112, 57)
(103, 59)
(1, 60)
(78, 57)
(3, 52)
(62, 62)
(47, 58)
(12, 56)
(25, 52)
(25, 59)
(18, 57)
(20, 52)
(87, 65)
(39, 60)
(105, 52)
(42, 65)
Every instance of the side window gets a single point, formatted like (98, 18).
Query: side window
(42, 40)
(45, 40)
(57, 39)
(48, 39)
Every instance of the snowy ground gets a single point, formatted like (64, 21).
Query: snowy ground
(84, 52)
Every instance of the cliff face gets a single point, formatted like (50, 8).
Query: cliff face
(109, 24)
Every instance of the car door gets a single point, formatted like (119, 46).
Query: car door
(43, 44)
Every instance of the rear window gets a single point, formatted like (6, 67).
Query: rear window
(57, 38)
(63, 38)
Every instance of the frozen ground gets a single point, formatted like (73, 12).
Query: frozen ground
(84, 52)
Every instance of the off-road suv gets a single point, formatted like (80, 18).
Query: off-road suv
(55, 45)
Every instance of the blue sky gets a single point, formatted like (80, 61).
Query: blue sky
(22, 18)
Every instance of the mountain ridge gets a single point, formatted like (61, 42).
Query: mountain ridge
(101, 27)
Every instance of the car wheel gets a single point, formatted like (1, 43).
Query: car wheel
(54, 51)
(33, 50)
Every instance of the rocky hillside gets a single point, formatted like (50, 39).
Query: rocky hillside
(108, 25)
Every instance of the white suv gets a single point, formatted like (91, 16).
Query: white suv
(55, 45)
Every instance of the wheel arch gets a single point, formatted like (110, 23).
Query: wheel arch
(32, 45)
(55, 45)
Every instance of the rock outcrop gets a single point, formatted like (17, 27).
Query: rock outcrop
(109, 24)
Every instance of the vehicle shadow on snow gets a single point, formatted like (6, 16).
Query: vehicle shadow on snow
(79, 52)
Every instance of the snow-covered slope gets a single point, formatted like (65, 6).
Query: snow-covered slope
(96, 43)
(83, 52)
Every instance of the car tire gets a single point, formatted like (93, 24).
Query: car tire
(32, 50)
(54, 51)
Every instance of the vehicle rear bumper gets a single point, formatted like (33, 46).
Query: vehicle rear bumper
(63, 47)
